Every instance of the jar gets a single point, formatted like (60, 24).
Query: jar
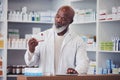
(14, 69)
(23, 69)
(9, 69)
(18, 69)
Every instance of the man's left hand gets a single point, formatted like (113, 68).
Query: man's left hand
(71, 71)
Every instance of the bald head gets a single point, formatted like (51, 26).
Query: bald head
(68, 11)
(63, 19)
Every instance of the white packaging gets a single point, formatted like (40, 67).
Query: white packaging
(36, 30)
(109, 17)
(30, 16)
(28, 36)
(39, 37)
(25, 17)
(114, 16)
(115, 71)
(33, 72)
(114, 10)
(118, 9)
(24, 9)
(13, 16)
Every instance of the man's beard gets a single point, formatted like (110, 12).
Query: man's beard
(60, 29)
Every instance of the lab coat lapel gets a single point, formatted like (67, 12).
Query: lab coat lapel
(67, 38)
(50, 43)
(52, 47)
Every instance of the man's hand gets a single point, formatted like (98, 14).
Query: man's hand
(71, 71)
(32, 44)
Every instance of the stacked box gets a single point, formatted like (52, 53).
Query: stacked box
(106, 46)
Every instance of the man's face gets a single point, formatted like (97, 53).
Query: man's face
(62, 19)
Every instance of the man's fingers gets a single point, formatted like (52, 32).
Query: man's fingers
(71, 71)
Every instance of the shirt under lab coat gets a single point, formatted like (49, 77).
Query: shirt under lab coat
(73, 54)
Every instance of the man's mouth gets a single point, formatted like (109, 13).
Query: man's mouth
(58, 26)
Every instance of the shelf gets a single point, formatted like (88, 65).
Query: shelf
(12, 75)
(30, 22)
(89, 22)
(109, 20)
(91, 50)
(109, 51)
(74, 0)
(17, 48)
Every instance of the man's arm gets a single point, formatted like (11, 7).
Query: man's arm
(82, 61)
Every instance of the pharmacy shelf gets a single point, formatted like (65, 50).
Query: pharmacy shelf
(91, 50)
(17, 48)
(109, 51)
(75, 0)
(109, 20)
(88, 22)
(12, 75)
(39, 22)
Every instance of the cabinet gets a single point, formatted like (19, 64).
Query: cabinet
(93, 19)
(108, 30)
(24, 27)
(3, 38)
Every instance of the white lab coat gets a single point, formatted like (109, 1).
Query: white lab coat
(73, 54)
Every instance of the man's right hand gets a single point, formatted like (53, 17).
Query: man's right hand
(32, 44)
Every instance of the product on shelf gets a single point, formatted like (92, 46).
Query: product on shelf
(18, 69)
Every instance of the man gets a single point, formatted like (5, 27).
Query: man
(61, 51)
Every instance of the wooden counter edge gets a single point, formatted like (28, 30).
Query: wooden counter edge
(22, 77)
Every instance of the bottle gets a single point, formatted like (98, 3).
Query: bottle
(119, 45)
(14, 69)
(23, 69)
(17, 69)
(9, 69)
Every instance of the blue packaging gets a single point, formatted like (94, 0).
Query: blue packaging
(105, 71)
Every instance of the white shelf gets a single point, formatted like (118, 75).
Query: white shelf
(74, 0)
(17, 48)
(91, 50)
(89, 22)
(39, 22)
(109, 51)
(109, 20)
(12, 75)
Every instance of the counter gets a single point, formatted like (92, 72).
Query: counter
(71, 77)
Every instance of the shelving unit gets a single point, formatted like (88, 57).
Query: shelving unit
(36, 22)
(107, 30)
(3, 39)
(102, 29)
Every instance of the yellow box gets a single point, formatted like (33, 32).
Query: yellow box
(1, 43)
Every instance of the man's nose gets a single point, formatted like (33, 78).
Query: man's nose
(59, 20)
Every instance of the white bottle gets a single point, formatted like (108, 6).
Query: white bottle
(13, 15)
(30, 16)
(25, 17)
(20, 16)
(17, 15)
